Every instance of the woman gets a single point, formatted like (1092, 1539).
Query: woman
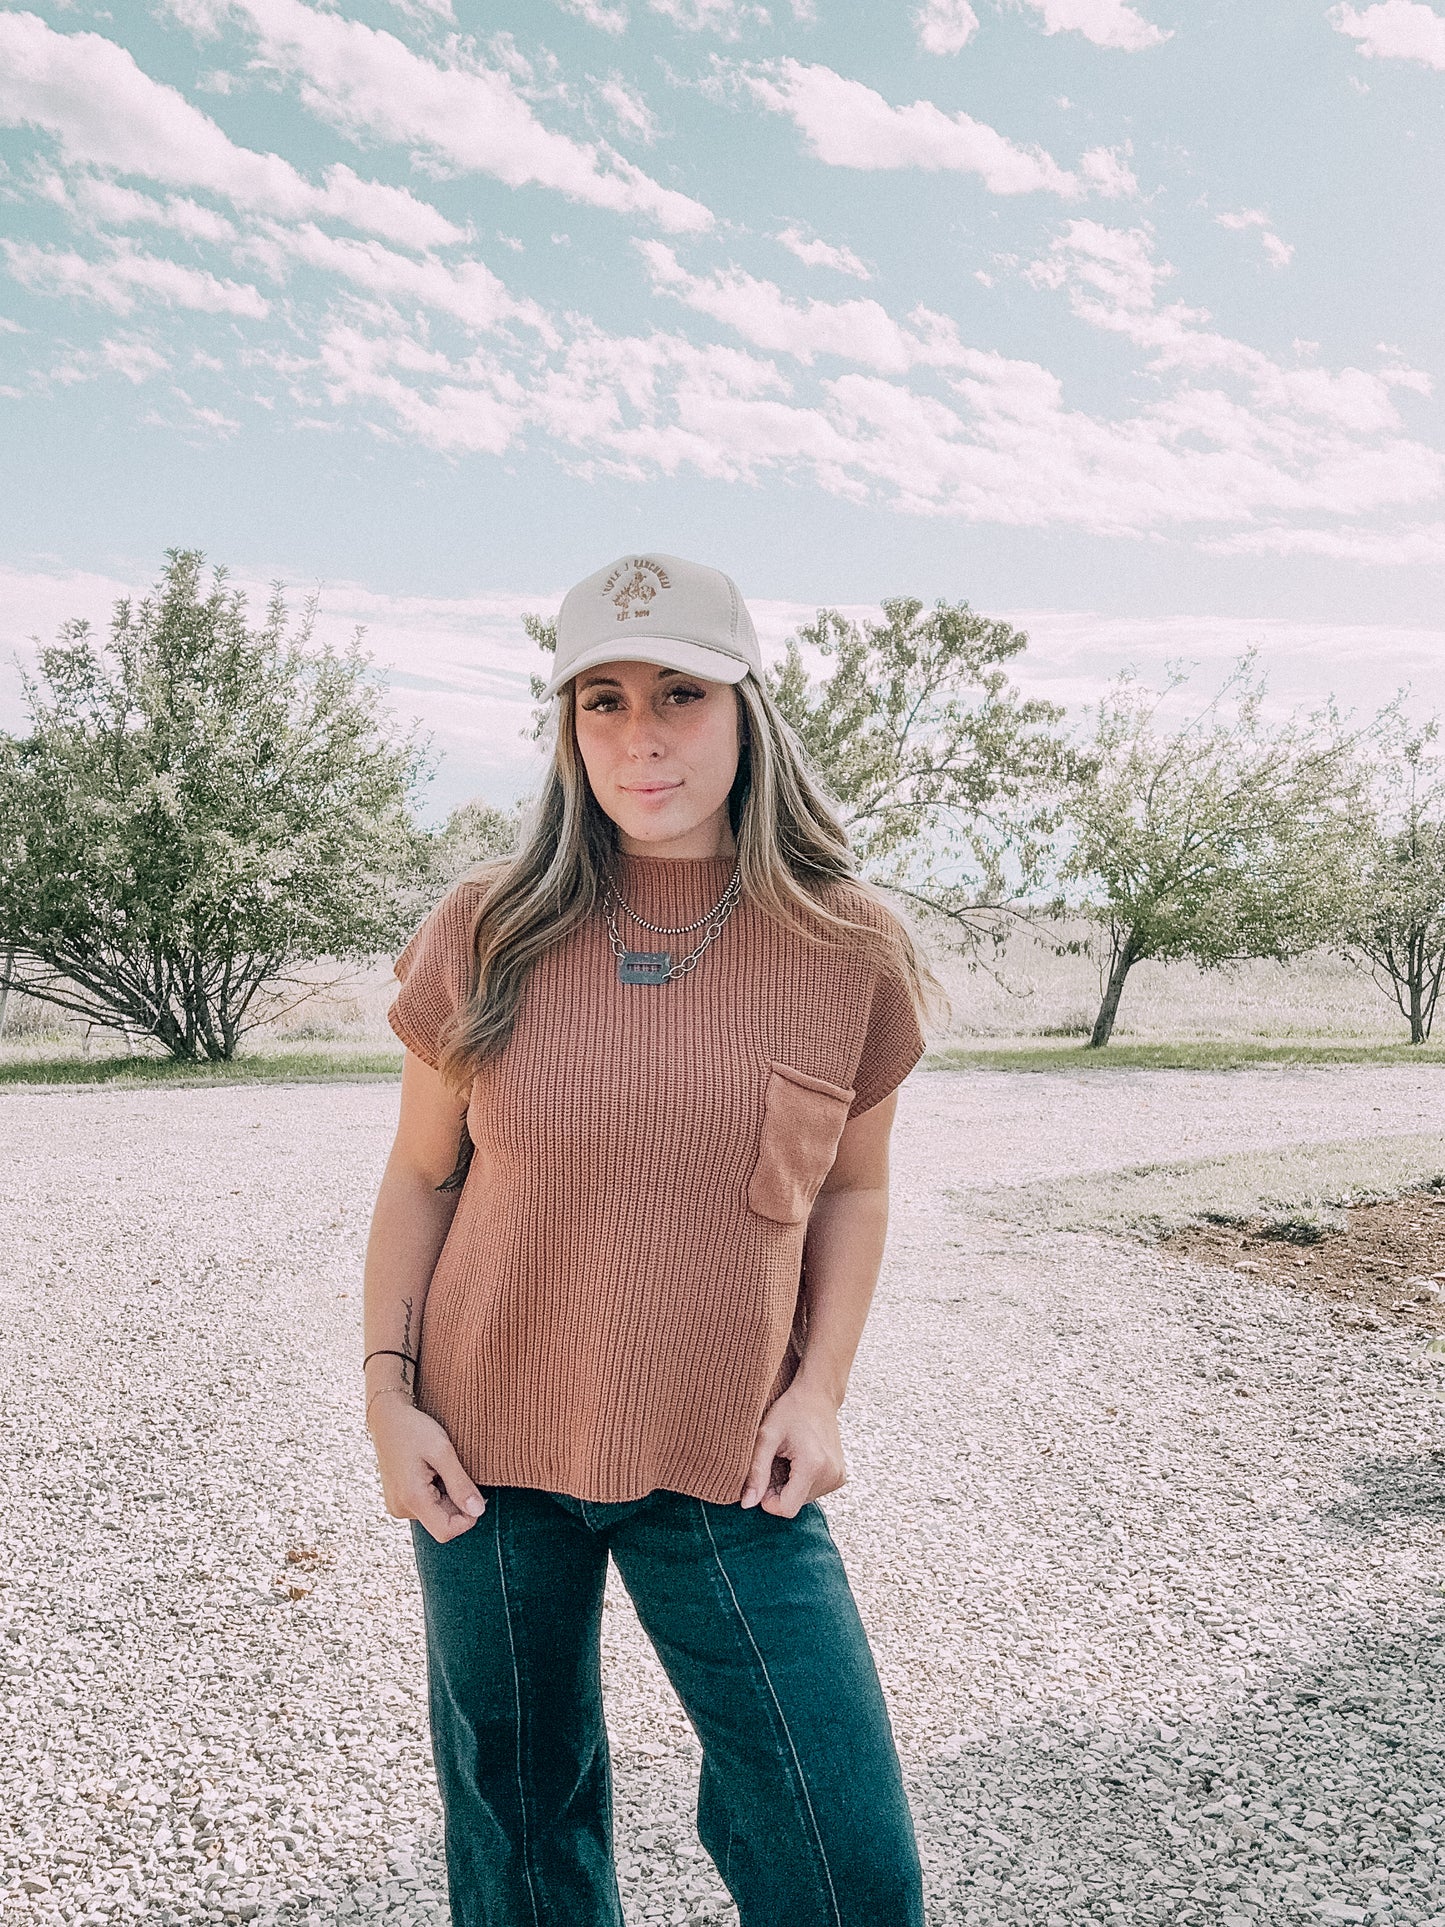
(670, 1032)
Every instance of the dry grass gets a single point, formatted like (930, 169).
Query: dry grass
(1029, 992)
(1158, 1200)
(1026, 996)
(338, 1022)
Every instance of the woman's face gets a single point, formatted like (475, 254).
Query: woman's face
(661, 751)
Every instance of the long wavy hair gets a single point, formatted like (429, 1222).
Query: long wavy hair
(792, 852)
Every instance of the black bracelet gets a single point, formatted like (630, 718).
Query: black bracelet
(385, 1351)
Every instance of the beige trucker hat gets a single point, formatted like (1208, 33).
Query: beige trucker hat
(657, 608)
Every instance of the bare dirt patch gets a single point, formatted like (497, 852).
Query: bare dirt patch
(1376, 1263)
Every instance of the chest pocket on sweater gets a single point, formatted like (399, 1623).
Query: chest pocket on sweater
(803, 1119)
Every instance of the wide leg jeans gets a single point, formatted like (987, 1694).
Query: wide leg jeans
(800, 1799)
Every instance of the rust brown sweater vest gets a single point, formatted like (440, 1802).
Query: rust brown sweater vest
(617, 1301)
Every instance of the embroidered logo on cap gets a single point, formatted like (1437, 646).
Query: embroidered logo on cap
(632, 593)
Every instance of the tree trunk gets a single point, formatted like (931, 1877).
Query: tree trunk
(1430, 979)
(5, 969)
(1125, 957)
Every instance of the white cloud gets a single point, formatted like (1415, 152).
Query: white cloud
(1116, 263)
(1112, 281)
(473, 407)
(426, 10)
(1280, 253)
(725, 17)
(120, 279)
(1072, 654)
(605, 19)
(1393, 547)
(466, 114)
(849, 125)
(199, 415)
(1108, 23)
(945, 26)
(1110, 176)
(467, 290)
(390, 212)
(104, 112)
(860, 331)
(1394, 30)
(891, 410)
(129, 356)
(92, 197)
(822, 254)
(629, 110)
(1000, 444)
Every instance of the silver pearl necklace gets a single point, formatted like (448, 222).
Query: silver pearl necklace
(656, 966)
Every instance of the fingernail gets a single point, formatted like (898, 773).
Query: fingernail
(476, 1506)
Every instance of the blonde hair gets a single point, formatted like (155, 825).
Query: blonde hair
(792, 852)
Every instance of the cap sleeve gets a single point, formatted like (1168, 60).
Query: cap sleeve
(435, 970)
(892, 1045)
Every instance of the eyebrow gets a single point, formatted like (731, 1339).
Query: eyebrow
(588, 682)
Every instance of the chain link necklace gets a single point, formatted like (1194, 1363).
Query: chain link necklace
(656, 966)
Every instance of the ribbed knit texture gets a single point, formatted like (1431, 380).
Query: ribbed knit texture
(618, 1301)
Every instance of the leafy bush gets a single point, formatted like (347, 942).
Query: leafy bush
(199, 810)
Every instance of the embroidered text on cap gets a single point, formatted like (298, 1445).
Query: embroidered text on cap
(635, 595)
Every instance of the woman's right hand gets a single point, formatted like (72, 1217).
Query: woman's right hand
(421, 1476)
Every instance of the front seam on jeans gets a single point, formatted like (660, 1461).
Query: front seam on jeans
(777, 1708)
(517, 1688)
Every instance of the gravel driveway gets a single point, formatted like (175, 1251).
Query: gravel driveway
(1151, 1557)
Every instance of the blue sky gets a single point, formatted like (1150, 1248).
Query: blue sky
(1119, 319)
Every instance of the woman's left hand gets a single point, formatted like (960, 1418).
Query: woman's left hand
(801, 1427)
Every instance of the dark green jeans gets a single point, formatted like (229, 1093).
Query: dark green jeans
(800, 1801)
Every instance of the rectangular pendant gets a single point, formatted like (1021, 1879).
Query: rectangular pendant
(644, 966)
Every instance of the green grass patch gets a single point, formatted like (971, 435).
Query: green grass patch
(1067, 1054)
(264, 1067)
(1153, 1199)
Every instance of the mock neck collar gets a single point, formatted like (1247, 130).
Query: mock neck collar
(672, 889)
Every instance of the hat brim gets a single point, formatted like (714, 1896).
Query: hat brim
(668, 652)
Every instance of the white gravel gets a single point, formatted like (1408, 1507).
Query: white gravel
(1151, 1557)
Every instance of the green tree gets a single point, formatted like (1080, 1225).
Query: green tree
(198, 810)
(544, 634)
(1395, 919)
(1218, 839)
(474, 833)
(949, 780)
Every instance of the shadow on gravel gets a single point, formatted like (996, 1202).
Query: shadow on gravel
(1316, 1797)
(1391, 1487)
